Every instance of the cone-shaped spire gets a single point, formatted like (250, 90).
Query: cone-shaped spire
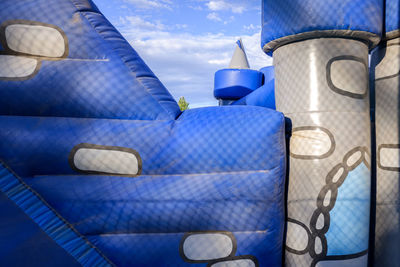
(239, 58)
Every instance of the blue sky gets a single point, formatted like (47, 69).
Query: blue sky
(185, 41)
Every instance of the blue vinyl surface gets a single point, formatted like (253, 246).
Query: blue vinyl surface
(151, 249)
(119, 214)
(349, 228)
(30, 246)
(263, 96)
(290, 17)
(168, 203)
(209, 170)
(27, 241)
(392, 15)
(207, 140)
(149, 214)
(101, 77)
(236, 83)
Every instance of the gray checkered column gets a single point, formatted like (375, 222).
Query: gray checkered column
(387, 87)
(322, 86)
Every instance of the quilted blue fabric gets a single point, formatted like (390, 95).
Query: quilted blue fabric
(168, 203)
(100, 77)
(236, 83)
(21, 248)
(290, 17)
(162, 208)
(223, 166)
(152, 249)
(392, 16)
(232, 161)
(215, 175)
(263, 96)
(207, 140)
(26, 241)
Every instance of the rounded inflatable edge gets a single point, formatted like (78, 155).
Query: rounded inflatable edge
(371, 38)
(233, 84)
(392, 34)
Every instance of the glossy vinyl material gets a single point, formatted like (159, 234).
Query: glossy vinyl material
(99, 75)
(31, 229)
(99, 167)
(329, 178)
(392, 19)
(263, 96)
(111, 175)
(151, 215)
(236, 83)
(29, 246)
(218, 169)
(286, 21)
(314, 88)
(385, 67)
(207, 140)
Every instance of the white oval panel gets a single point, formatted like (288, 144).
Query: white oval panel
(337, 175)
(235, 263)
(350, 76)
(318, 245)
(296, 237)
(389, 157)
(16, 67)
(327, 198)
(320, 221)
(309, 143)
(200, 247)
(106, 161)
(35, 40)
(354, 158)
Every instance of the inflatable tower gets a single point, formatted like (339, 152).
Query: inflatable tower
(240, 85)
(385, 65)
(320, 54)
(238, 80)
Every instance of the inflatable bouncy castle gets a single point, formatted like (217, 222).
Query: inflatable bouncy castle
(298, 166)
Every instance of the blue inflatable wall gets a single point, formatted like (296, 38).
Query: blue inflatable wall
(99, 167)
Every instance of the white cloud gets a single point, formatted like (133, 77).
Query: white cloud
(221, 5)
(139, 23)
(185, 62)
(251, 27)
(181, 26)
(231, 18)
(147, 4)
(214, 16)
(196, 7)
